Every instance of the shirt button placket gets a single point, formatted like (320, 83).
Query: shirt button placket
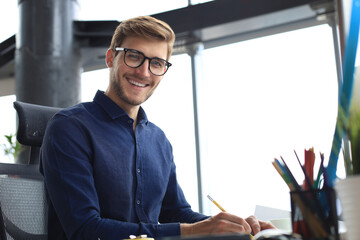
(138, 201)
(139, 190)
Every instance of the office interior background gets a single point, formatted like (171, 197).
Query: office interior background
(258, 99)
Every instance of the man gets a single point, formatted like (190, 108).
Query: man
(108, 171)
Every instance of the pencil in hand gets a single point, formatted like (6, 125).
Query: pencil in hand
(222, 209)
(212, 200)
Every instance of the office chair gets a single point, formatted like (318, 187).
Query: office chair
(22, 196)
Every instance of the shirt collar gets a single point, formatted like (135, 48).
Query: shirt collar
(114, 111)
(142, 118)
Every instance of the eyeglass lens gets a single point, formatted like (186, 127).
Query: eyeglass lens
(134, 59)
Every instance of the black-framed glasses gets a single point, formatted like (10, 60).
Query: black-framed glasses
(134, 59)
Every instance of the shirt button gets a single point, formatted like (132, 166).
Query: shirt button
(138, 170)
(138, 202)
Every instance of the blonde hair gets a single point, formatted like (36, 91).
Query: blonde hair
(146, 27)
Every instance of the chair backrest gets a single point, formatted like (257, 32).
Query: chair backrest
(33, 119)
(23, 202)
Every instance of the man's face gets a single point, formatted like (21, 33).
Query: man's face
(129, 87)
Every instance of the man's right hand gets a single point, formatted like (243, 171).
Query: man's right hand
(221, 223)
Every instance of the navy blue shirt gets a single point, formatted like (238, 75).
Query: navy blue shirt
(106, 181)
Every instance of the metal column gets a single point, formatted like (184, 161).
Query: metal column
(337, 49)
(196, 66)
(47, 60)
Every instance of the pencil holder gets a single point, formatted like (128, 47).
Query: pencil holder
(314, 214)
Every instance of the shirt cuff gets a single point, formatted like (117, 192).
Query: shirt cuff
(168, 229)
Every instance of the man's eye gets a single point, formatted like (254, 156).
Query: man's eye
(133, 56)
(156, 63)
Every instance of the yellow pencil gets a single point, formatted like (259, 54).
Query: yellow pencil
(210, 198)
(222, 209)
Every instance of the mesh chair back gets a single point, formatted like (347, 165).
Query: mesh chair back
(24, 208)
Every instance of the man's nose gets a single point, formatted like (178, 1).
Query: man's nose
(143, 70)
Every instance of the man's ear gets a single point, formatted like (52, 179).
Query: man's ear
(109, 58)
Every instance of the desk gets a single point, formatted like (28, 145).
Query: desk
(211, 237)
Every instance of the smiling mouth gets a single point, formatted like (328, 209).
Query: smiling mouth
(137, 83)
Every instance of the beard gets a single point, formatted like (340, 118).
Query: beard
(120, 92)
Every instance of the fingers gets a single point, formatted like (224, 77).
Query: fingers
(254, 224)
(266, 225)
(258, 225)
(226, 223)
(233, 222)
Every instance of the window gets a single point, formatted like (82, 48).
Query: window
(105, 9)
(9, 19)
(8, 125)
(265, 98)
(127, 9)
